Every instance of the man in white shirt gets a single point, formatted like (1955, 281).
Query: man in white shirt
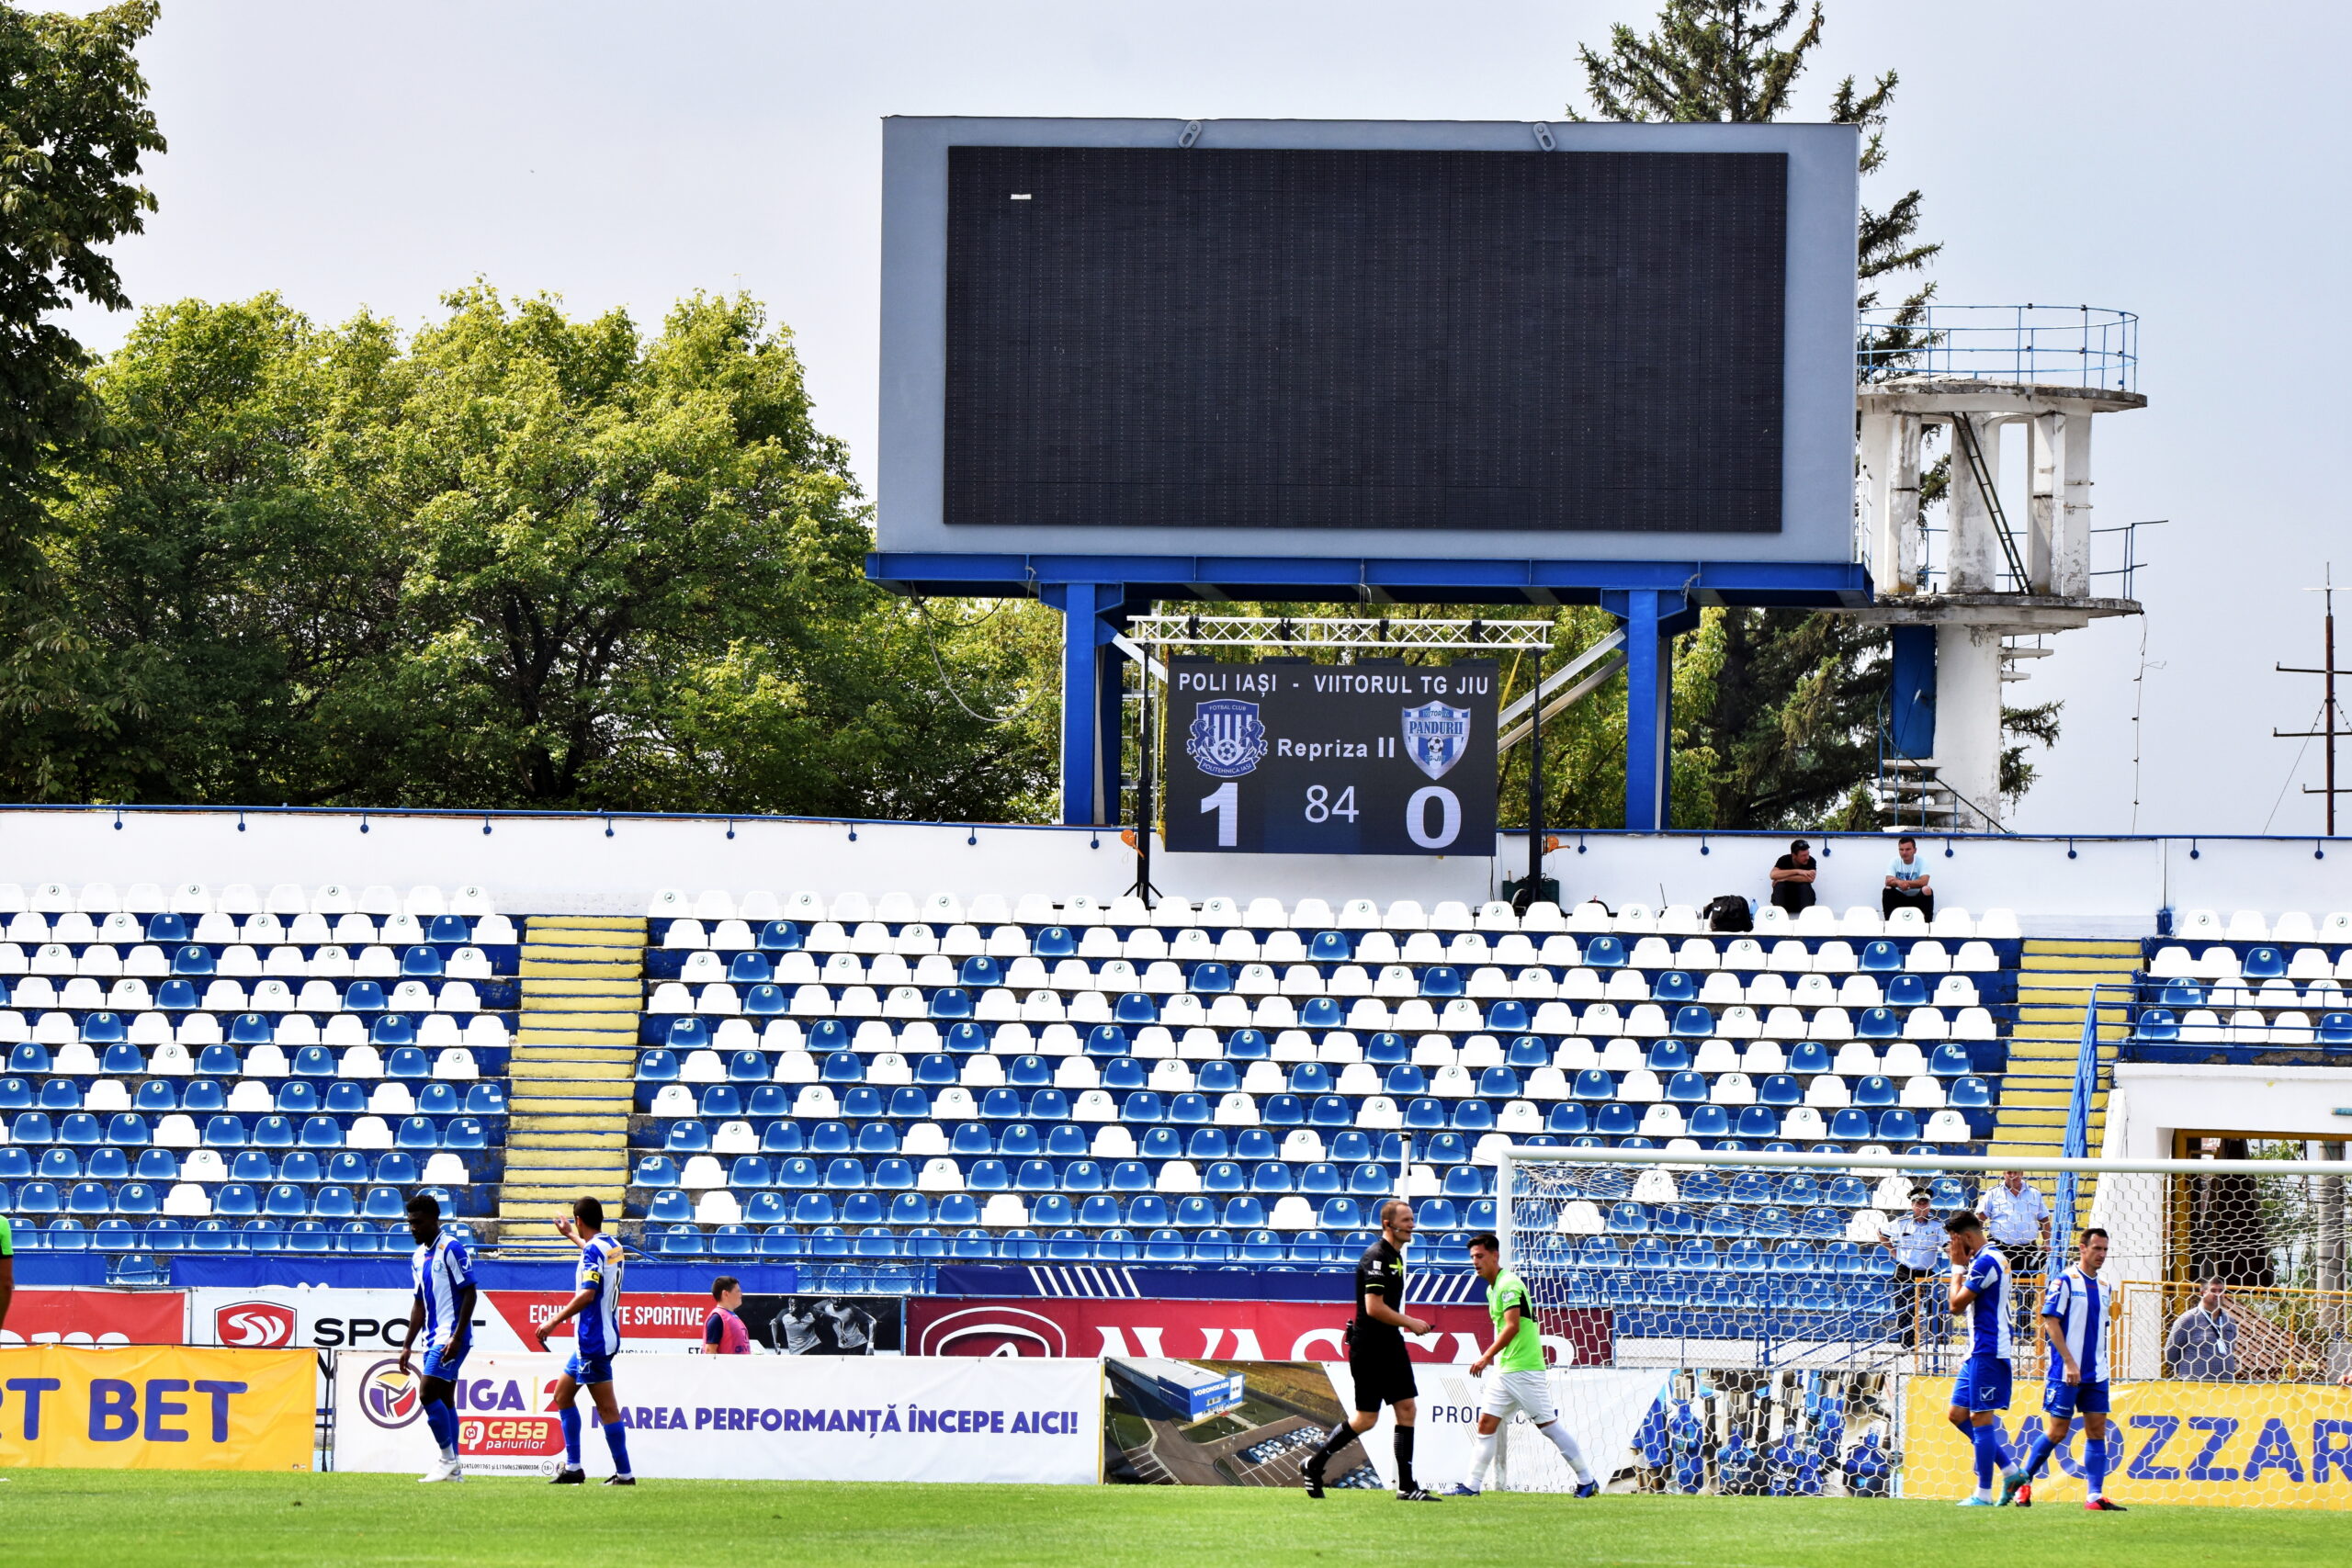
(1916, 1242)
(1906, 884)
(2017, 1219)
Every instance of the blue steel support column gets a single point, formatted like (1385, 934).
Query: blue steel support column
(1652, 616)
(1090, 700)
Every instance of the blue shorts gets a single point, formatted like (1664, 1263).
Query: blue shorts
(589, 1371)
(2064, 1401)
(1983, 1385)
(440, 1363)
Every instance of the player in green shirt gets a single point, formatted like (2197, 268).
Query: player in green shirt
(7, 1269)
(1521, 1383)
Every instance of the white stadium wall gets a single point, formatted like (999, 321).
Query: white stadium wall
(592, 864)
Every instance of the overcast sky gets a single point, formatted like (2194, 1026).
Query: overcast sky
(2186, 162)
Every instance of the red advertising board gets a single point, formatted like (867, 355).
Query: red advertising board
(97, 1317)
(1220, 1331)
(645, 1314)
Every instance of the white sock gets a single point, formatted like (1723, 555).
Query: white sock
(1482, 1450)
(1557, 1431)
(448, 1456)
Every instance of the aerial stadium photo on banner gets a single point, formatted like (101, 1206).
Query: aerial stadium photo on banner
(1048, 788)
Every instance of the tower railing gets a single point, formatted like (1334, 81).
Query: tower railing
(2089, 346)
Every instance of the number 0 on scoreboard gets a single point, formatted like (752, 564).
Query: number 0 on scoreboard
(1288, 757)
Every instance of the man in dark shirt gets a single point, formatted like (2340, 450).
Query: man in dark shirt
(1378, 1363)
(1792, 876)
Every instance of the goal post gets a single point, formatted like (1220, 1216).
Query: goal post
(1794, 1354)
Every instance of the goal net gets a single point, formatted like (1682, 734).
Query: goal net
(1804, 1347)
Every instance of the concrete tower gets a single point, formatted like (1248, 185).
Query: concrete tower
(2007, 569)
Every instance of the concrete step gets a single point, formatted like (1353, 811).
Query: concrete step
(588, 923)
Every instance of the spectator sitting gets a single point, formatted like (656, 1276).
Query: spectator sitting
(1906, 882)
(2204, 1339)
(1792, 876)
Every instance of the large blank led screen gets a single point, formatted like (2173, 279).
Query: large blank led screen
(1547, 341)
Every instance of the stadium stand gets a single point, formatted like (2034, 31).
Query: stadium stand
(242, 1071)
(897, 1084)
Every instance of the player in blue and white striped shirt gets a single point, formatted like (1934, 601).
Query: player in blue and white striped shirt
(1982, 1391)
(597, 1305)
(2074, 1315)
(444, 1312)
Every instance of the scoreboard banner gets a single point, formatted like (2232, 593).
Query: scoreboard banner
(2248, 1445)
(747, 1417)
(1375, 758)
(167, 1407)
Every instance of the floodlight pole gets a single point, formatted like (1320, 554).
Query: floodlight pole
(2329, 727)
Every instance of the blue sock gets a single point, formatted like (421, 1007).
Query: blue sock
(2037, 1453)
(1987, 1455)
(2094, 1464)
(571, 1418)
(616, 1439)
(442, 1422)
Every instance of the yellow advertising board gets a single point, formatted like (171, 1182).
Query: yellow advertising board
(2218, 1444)
(156, 1407)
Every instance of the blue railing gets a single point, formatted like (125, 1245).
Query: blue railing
(2052, 345)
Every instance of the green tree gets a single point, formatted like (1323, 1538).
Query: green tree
(74, 128)
(522, 560)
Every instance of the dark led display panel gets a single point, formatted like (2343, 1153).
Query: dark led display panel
(1552, 342)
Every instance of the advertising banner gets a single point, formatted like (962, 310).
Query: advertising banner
(1159, 1430)
(1240, 1331)
(2216, 1444)
(812, 1324)
(276, 1317)
(161, 1408)
(805, 1418)
(1603, 1407)
(95, 1317)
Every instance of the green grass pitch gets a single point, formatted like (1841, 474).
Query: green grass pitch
(154, 1519)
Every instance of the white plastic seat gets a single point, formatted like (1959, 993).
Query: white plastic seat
(1946, 1126)
(1927, 957)
(1732, 1088)
(1952, 921)
(1828, 1091)
(1923, 1092)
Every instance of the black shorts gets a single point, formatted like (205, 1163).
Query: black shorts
(1383, 1375)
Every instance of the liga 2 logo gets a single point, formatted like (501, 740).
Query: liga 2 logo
(254, 1326)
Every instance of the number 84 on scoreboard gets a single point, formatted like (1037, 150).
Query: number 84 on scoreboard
(1289, 757)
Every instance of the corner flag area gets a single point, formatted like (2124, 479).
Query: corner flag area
(161, 1519)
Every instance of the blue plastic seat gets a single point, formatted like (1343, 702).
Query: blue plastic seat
(421, 963)
(80, 1129)
(1809, 1058)
(1508, 1016)
(1055, 941)
(1130, 1176)
(407, 1062)
(1757, 1121)
(1440, 981)
(1907, 991)
(1875, 1092)
(780, 936)
(951, 1003)
(2162, 1023)
(1675, 986)
(655, 1170)
(1950, 1060)
(2263, 962)
(127, 1129)
(1779, 1089)
(988, 1176)
(167, 927)
(1851, 1125)
(1210, 979)
(1969, 1093)
(193, 961)
(1881, 957)
(782, 1138)
(1567, 1118)
(1592, 1083)
(1135, 1008)
(363, 995)
(750, 969)
(1605, 953)
(1897, 1126)
(687, 1035)
(1687, 1087)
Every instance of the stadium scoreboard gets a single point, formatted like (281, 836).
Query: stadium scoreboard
(1289, 757)
(1442, 340)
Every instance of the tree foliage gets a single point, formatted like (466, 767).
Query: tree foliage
(520, 560)
(73, 129)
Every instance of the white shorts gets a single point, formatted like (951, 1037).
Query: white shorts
(1530, 1394)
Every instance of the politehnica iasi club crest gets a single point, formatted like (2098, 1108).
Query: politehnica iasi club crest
(1436, 735)
(1226, 738)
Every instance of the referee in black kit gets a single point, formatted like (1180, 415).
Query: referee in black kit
(1377, 1362)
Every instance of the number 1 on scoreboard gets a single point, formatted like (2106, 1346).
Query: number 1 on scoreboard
(1225, 801)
